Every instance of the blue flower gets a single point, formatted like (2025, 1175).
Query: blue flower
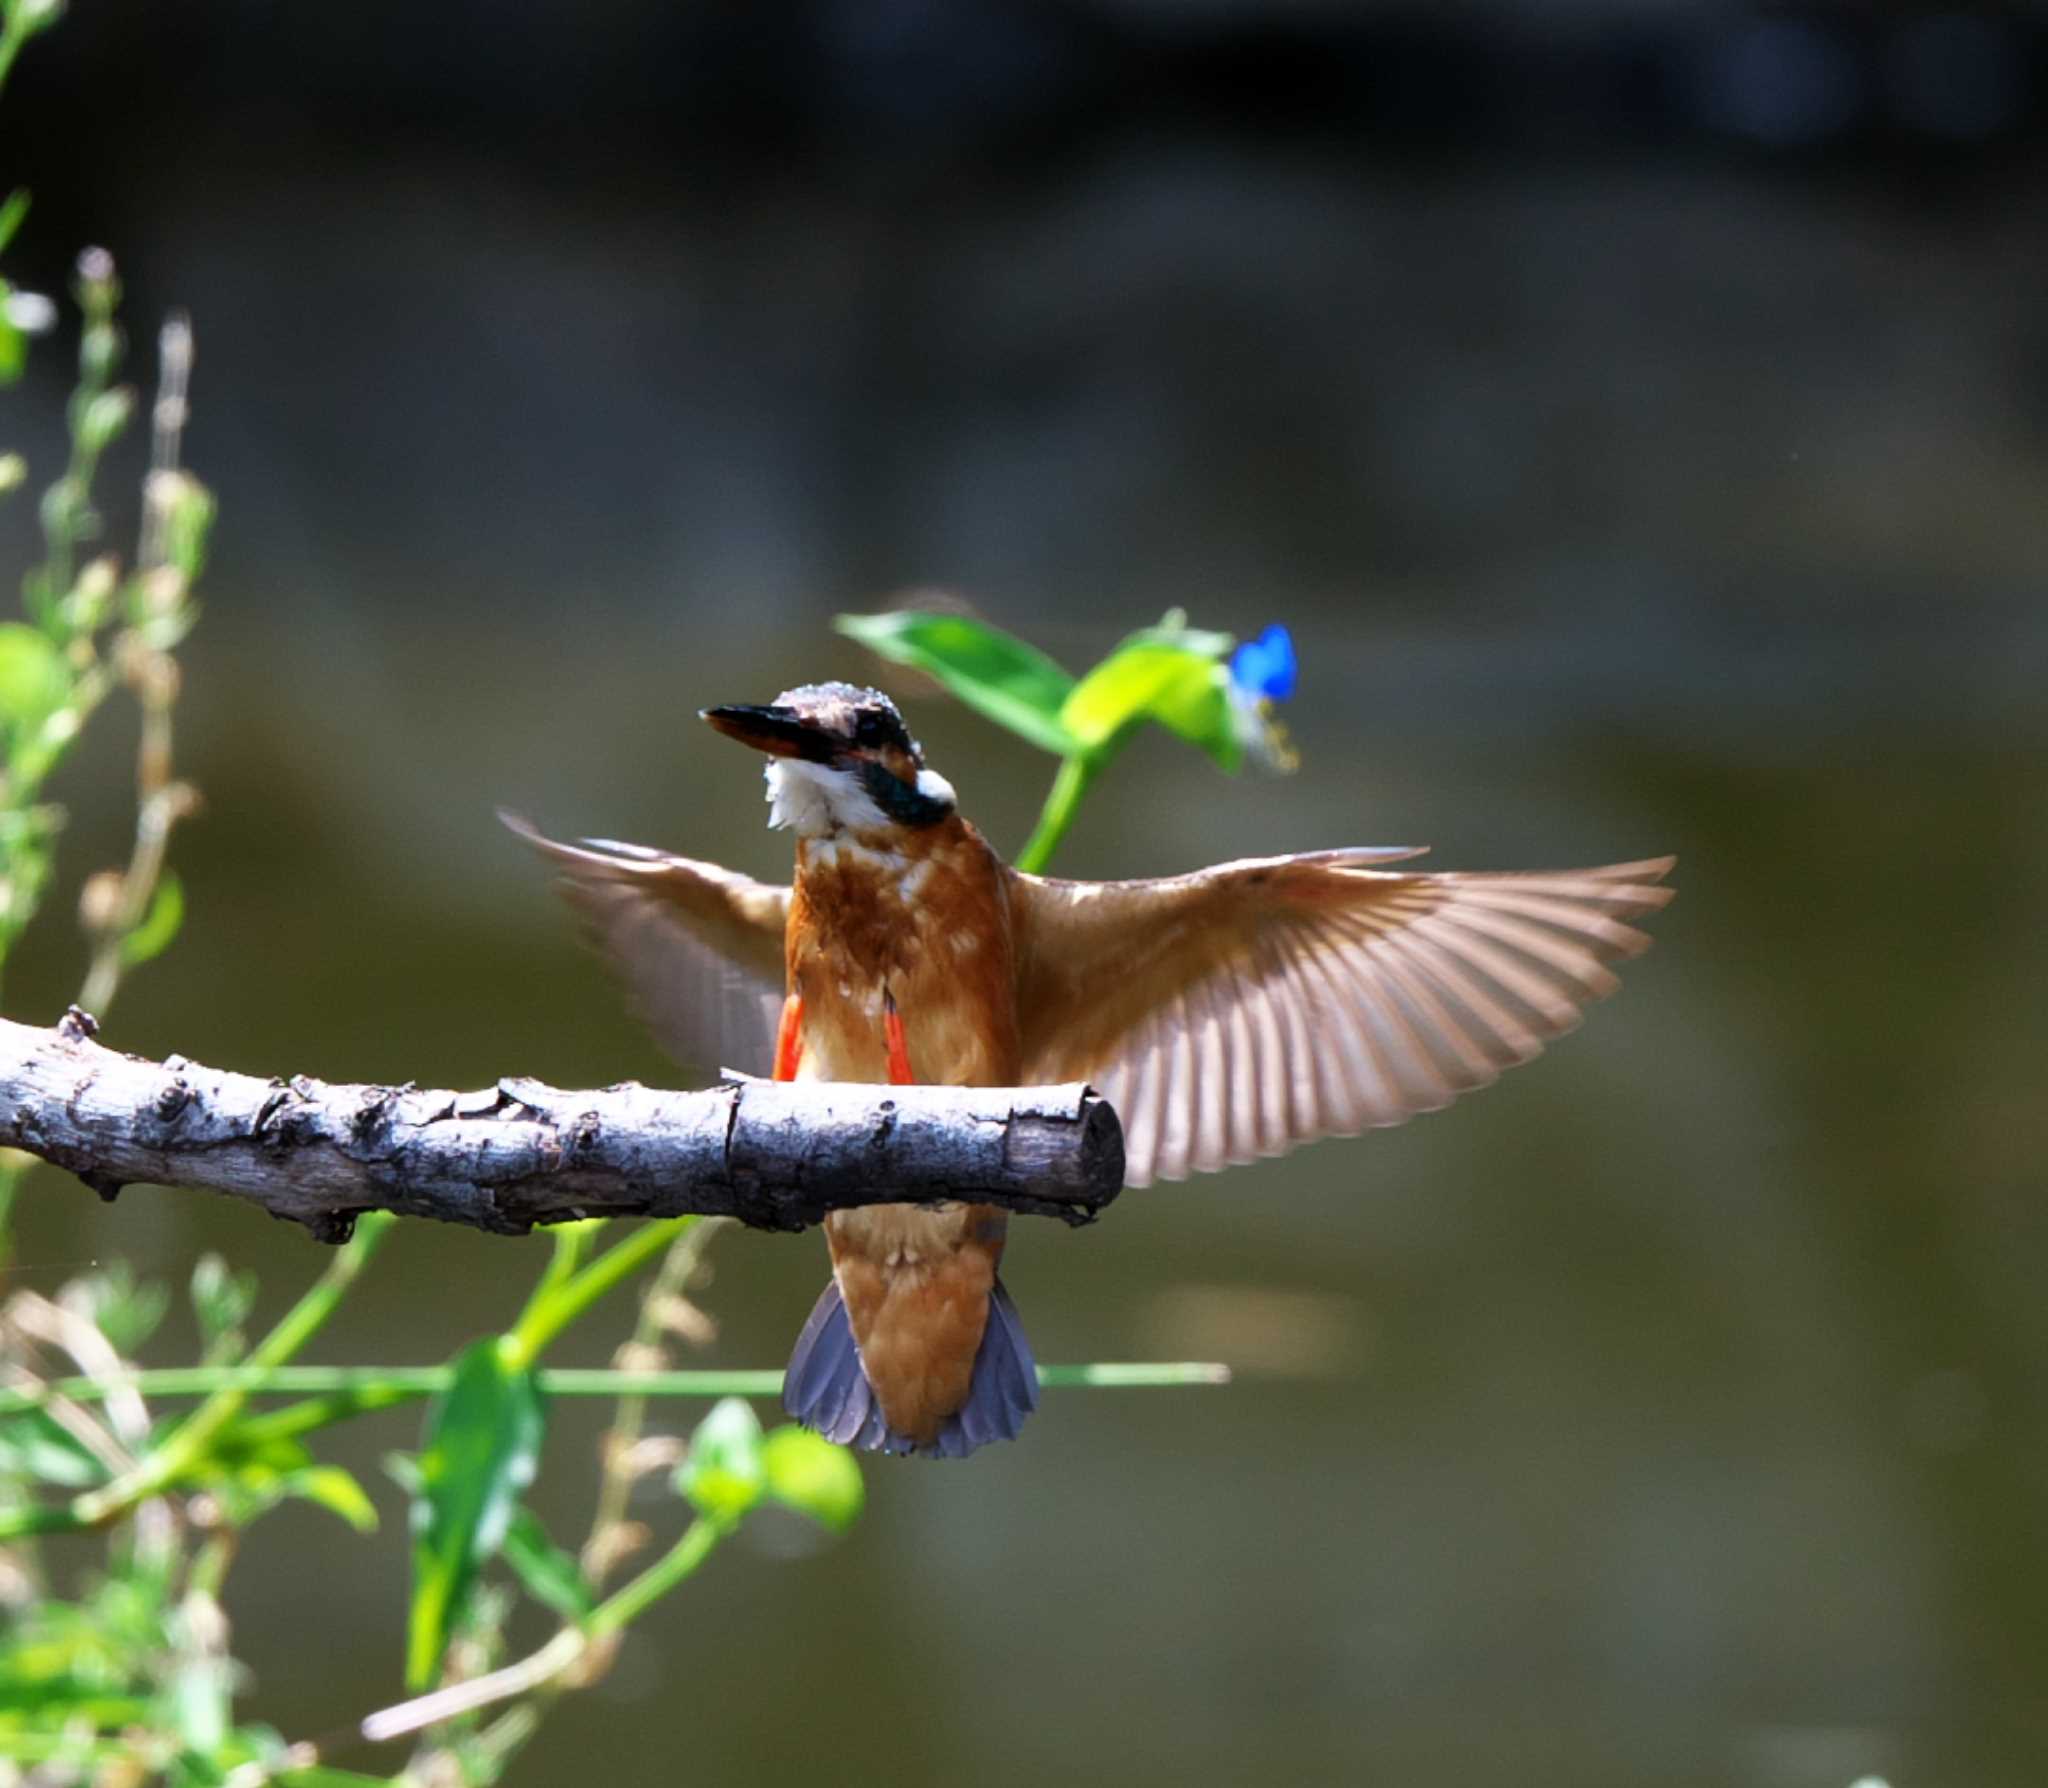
(1266, 667)
(1262, 672)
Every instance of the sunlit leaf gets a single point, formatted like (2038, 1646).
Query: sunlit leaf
(551, 1576)
(1177, 688)
(34, 681)
(722, 1474)
(334, 1490)
(159, 925)
(1173, 630)
(808, 1473)
(996, 674)
(482, 1441)
(13, 341)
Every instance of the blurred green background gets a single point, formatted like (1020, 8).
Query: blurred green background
(1640, 417)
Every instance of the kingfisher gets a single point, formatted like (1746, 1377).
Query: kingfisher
(1229, 1014)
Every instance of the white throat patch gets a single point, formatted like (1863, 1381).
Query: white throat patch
(815, 799)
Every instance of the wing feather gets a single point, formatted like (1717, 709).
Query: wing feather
(699, 948)
(1256, 1006)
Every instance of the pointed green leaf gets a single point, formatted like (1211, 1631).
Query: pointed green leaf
(11, 214)
(482, 1442)
(552, 1577)
(159, 925)
(36, 1446)
(806, 1472)
(722, 1475)
(996, 674)
(334, 1490)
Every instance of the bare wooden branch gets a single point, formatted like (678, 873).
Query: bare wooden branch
(520, 1152)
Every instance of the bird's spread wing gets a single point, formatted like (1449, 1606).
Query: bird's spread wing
(698, 947)
(1248, 1008)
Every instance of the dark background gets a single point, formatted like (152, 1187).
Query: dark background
(1641, 417)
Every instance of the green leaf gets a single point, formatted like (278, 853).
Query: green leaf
(723, 1475)
(159, 925)
(36, 1446)
(1173, 630)
(1138, 682)
(806, 1472)
(482, 1442)
(993, 672)
(13, 341)
(1198, 710)
(11, 214)
(334, 1490)
(551, 1576)
(34, 679)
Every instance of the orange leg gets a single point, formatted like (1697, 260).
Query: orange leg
(899, 1050)
(789, 1038)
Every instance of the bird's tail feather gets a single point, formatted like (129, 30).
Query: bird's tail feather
(826, 1389)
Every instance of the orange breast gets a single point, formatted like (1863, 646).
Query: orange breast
(922, 917)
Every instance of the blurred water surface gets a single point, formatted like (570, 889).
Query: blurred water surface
(1674, 1412)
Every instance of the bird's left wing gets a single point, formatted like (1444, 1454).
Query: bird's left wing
(699, 948)
(1248, 1008)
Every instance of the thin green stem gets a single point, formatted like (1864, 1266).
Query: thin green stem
(564, 1258)
(357, 1390)
(554, 1310)
(1076, 775)
(626, 1604)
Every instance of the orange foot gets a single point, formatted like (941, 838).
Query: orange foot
(899, 1050)
(789, 1038)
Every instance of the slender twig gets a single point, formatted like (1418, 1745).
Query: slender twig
(160, 802)
(615, 1486)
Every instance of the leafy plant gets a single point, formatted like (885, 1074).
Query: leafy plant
(115, 1664)
(1202, 686)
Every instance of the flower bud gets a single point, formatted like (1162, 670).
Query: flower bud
(99, 901)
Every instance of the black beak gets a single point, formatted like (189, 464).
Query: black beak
(781, 732)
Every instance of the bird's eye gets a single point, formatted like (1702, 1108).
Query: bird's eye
(873, 729)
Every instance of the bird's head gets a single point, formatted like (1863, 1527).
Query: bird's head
(838, 757)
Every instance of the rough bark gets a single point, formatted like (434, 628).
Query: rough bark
(521, 1152)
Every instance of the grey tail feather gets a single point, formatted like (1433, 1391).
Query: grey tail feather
(825, 1388)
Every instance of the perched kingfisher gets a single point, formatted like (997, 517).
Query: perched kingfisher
(1227, 1014)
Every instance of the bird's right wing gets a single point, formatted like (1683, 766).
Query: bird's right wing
(699, 948)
